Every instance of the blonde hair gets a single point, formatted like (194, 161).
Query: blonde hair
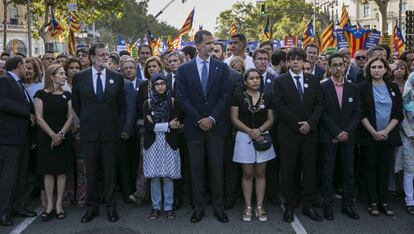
(49, 73)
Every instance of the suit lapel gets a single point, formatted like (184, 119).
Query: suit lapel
(334, 95)
(345, 96)
(196, 79)
(89, 84)
(211, 74)
(306, 86)
(293, 87)
(109, 82)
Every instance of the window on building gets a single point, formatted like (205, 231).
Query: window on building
(403, 5)
(13, 15)
(367, 10)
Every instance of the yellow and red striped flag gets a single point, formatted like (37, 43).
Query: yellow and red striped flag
(398, 40)
(266, 31)
(176, 43)
(74, 26)
(308, 35)
(54, 27)
(188, 24)
(344, 20)
(232, 29)
(327, 38)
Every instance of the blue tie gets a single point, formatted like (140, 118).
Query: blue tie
(204, 78)
(99, 87)
(299, 88)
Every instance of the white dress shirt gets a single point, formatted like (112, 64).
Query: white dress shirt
(200, 65)
(95, 78)
(300, 79)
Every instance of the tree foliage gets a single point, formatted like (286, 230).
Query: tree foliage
(286, 17)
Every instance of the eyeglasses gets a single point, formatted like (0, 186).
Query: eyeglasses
(339, 65)
(360, 57)
(158, 84)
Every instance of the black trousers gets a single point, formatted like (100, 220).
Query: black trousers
(272, 168)
(127, 164)
(294, 158)
(232, 188)
(100, 155)
(198, 159)
(14, 166)
(185, 180)
(329, 154)
(375, 163)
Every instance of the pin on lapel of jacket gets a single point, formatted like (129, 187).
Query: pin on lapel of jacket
(305, 85)
(350, 99)
(111, 81)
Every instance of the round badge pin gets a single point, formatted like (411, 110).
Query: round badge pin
(305, 85)
(350, 99)
(64, 96)
(268, 81)
(262, 106)
(111, 81)
(392, 93)
(152, 112)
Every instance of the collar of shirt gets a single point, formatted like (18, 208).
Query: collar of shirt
(199, 60)
(15, 77)
(95, 72)
(338, 83)
(294, 74)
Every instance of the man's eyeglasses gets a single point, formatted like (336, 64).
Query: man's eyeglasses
(339, 65)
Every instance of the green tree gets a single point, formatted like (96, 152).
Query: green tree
(286, 17)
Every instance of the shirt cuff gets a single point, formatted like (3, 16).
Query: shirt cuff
(213, 119)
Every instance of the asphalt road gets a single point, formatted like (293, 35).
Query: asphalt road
(134, 219)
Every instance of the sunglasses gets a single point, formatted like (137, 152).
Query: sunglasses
(362, 57)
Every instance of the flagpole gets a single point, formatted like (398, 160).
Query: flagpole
(29, 28)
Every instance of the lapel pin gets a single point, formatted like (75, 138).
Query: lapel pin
(216, 68)
(350, 99)
(305, 85)
(392, 93)
(262, 106)
(111, 81)
(64, 96)
(268, 81)
(152, 112)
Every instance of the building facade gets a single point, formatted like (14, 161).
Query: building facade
(367, 14)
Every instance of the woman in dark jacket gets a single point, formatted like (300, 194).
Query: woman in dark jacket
(381, 107)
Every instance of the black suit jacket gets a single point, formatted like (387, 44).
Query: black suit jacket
(368, 111)
(334, 119)
(319, 72)
(355, 74)
(290, 110)
(14, 112)
(98, 120)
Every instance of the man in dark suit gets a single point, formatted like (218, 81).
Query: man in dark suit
(203, 92)
(312, 53)
(144, 52)
(298, 103)
(340, 119)
(98, 98)
(15, 118)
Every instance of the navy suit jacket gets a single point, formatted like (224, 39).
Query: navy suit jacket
(267, 85)
(355, 74)
(334, 119)
(319, 72)
(14, 112)
(128, 115)
(193, 103)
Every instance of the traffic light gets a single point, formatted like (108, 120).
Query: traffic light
(262, 9)
(409, 29)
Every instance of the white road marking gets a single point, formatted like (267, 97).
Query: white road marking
(26, 222)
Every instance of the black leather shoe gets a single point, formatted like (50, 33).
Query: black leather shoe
(178, 203)
(328, 213)
(274, 199)
(112, 215)
(311, 213)
(288, 215)
(410, 210)
(6, 221)
(24, 213)
(228, 204)
(90, 214)
(197, 216)
(221, 216)
(348, 211)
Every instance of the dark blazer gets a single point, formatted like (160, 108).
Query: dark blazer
(355, 74)
(141, 97)
(14, 112)
(236, 82)
(335, 120)
(128, 115)
(266, 85)
(193, 103)
(171, 137)
(368, 111)
(98, 120)
(290, 110)
(319, 72)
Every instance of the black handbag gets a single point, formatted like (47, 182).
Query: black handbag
(264, 144)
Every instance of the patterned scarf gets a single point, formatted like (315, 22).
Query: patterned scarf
(160, 103)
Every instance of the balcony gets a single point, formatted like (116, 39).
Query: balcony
(14, 27)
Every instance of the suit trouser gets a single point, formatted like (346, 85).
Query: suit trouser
(14, 166)
(272, 168)
(185, 180)
(293, 157)
(231, 170)
(127, 161)
(375, 162)
(198, 161)
(329, 154)
(100, 155)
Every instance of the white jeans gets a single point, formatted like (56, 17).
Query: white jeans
(408, 188)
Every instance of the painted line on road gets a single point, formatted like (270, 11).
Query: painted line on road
(296, 225)
(26, 222)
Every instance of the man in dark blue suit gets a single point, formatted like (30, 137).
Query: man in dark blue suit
(340, 119)
(312, 52)
(15, 118)
(203, 89)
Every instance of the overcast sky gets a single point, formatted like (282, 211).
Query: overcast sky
(206, 11)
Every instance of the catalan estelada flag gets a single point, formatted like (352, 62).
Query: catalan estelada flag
(176, 43)
(152, 41)
(356, 39)
(232, 29)
(188, 24)
(54, 27)
(344, 20)
(308, 35)
(397, 40)
(74, 26)
(266, 31)
(327, 38)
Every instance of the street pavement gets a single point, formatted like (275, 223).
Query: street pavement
(134, 219)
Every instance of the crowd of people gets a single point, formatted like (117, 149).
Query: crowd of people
(209, 125)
